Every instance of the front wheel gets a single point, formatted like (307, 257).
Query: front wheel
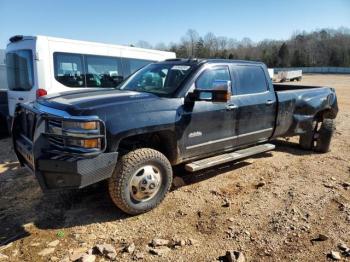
(140, 181)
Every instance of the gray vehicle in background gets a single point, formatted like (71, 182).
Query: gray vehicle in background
(3, 95)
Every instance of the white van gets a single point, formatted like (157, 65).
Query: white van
(40, 65)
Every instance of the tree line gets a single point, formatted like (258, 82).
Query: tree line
(324, 47)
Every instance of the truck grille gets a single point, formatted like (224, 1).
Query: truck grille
(56, 141)
(56, 123)
(55, 127)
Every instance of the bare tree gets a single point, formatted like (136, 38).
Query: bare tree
(143, 44)
(326, 47)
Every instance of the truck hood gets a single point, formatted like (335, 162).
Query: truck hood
(80, 101)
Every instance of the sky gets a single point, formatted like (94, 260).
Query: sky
(155, 21)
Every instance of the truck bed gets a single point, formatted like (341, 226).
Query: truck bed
(298, 105)
(285, 87)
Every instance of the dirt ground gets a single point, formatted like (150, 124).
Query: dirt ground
(279, 202)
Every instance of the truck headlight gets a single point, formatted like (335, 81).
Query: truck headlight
(91, 125)
(85, 143)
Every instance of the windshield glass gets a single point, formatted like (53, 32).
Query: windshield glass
(19, 67)
(162, 79)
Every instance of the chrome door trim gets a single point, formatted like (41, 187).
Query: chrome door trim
(228, 138)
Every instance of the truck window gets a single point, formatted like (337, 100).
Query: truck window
(207, 78)
(69, 69)
(249, 80)
(19, 67)
(103, 71)
(161, 79)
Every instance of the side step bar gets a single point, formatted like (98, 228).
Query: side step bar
(224, 158)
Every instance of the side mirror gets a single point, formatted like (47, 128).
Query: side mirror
(220, 91)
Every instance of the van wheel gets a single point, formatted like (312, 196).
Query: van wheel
(324, 135)
(140, 181)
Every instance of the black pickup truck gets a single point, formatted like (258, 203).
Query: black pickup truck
(199, 113)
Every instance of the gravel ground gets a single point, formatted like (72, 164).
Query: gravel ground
(287, 205)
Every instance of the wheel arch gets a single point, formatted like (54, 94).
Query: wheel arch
(164, 141)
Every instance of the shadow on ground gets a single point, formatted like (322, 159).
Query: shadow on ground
(290, 148)
(22, 202)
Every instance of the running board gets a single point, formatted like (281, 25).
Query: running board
(224, 158)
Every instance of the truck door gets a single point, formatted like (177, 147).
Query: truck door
(209, 126)
(256, 104)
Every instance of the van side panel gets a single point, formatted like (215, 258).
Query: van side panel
(43, 49)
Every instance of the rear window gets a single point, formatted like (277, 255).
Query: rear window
(249, 80)
(19, 67)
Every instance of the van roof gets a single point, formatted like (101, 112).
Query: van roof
(18, 38)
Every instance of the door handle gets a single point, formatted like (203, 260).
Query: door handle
(230, 107)
(269, 102)
(20, 99)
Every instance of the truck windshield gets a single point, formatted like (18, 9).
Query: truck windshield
(161, 79)
(19, 67)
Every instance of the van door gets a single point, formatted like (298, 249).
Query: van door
(20, 77)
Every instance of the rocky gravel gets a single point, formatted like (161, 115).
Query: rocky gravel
(285, 205)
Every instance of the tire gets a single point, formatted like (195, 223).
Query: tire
(142, 168)
(306, 141)
(324, 135)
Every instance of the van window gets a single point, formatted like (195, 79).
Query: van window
(103, 71)
(249, 80)
(132, 65)
(69, 69)
(19, 67)
(207, 78)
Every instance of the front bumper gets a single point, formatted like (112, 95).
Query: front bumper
(59, 174)
(58, 168)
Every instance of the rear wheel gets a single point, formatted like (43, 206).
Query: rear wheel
(320, 137)
(324, 136)
(140, 181)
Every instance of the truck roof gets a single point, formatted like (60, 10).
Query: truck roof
(199, 61)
